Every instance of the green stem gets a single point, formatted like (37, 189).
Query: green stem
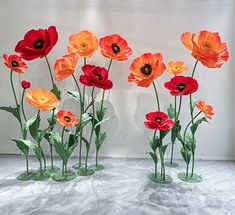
(194, 68)
(172, 144)
(156, 93)
(63, 168)
(62, 135)
(180, 102)
(51, 153)
(77, 85)
(22, 105)
(48, 64)
(96, 158)
(27, 164)
(187, 171)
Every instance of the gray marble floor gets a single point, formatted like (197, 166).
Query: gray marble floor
(121, 188)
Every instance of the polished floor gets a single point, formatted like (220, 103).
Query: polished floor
(122, 188)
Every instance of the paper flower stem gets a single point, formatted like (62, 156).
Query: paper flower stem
(157, 97)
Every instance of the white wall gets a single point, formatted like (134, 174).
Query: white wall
(148, 26)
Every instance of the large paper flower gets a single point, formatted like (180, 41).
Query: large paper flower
(115, 47)
(95, 76)
(146, 68)
(37, 43)
(181, 85)
(42, 99)
(83, 44)
(206, 47)
(66, 118)
(176, 67)
(15, 63)
(65, 66)
(205, 108)
(158, 121)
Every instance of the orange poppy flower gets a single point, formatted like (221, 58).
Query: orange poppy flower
(42, 99)
(205, 108)
(146, 68)
(15, 63)
(65, 66)
(66, 118)
(83, 44)
(115, 47)
(206, 47)
(176, 67)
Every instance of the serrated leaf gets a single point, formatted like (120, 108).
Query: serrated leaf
(13, 111)
(56, 91)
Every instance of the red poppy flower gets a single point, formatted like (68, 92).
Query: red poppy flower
(15, 63)
(158, 121)
(146, 68)
(66, 118)
(206, 47)
(96, 76)
(181, 85)
(37, 43)
(115, 47)
(25, 84)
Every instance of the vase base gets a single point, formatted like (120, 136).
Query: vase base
(88, 172)
(158, 179)
(55, 169)
(172, 165)
(38, 176)
(99, 167)
(195, 179)
(78, 166)
(26, 176)
(68, 176)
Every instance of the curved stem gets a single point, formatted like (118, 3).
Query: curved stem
(180, 102)
(194, 68)
(62, 135)
(190, 123)
(48, 64)
(22, 105)
(156, 93)
(77, 84)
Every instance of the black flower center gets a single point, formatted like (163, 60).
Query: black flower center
(98, 75)
(146, 69)
(14, 63)
(67, 118)
(181, 86)
(159, 120)
(116, 49)
(38, 44)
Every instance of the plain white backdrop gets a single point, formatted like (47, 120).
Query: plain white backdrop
(148, 26)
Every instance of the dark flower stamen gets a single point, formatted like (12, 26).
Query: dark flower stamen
(146, 69)
(116, 49)
(38, 44)
(181, 86)
(67, 118)
(159, 120)
(14, 63)
(98, 75)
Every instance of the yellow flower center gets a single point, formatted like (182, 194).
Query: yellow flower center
(83, 46)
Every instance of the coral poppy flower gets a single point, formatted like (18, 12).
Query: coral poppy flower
(181, 85)
(15, 63)
(158, 121)
(83, 44)
(25, 84)
(96, 76)
(115, 47)
(37, 43)
(42, 99)
(66, 118)
(206, 47)
(176, 67)
(146, 68)
(205, 108)
(65, 66)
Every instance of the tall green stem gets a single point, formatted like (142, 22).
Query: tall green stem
(22, 105)
(62, 135)
(180, 102)
(157, 97)
(27, 164)
(173, 143)
(48, 65)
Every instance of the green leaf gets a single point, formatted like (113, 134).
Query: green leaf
(99, 140)
(186, 154)
(163, 134)
(56, 91)
(33, 126)
(196, 124)
(154, 143)
(163, 150)
(56, 141)
(72, 143)
(101, 122)
(11, 110)
(100, 111)
(51, 118)
(85, 119)
(22, 145)
(75, 95)
(90, 104)
(171, 111)
(154, 157)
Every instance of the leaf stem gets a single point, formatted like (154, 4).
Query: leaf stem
(157, 97)
(48, 65)
(22, 105)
